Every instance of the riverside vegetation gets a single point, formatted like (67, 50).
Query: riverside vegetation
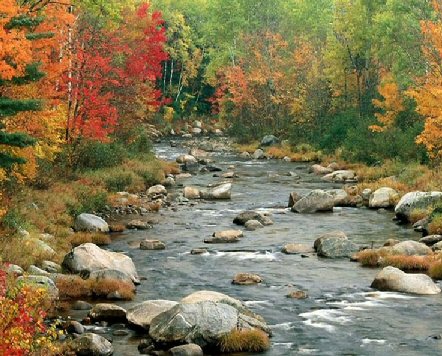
(86, 87)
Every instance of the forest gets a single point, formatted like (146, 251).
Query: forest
(87, 87)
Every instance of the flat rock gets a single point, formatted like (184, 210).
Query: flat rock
(152, 245)
(246, 279)
(198, 251)
(226, 236)
(141, 315)
(108, 312)
(293, 249)
(186, 159)
(393, 279)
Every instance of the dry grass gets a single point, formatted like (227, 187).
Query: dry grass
(368, 258)
(249, 147)
(435, 226)
(435, 270)
(418, 214)
(170, 167)
(247, 340)
(117, 227)
(96, 238)
(76, 287)
(380, 258)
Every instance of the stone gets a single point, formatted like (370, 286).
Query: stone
(191, 193)
(421, 224)
(141, 315)
(186, 159)
(41, 282)
(245, 155)
(269, 140)
(334, 245)
(91, 345)
(226, 236)
(415, 200)
(198, 251)
(196, 131)
(229, 175)
(169, 182)
(34, 270)
(252, 225)
(158, 189)
(108, 312)
(222, 191)
(91, 223)
(245, 216)
(391, 242)
(138, 225)
(410, 248)
(206, 295)
(13, 269)
(393, 279)
(430, 240)
(51, 267)
(39, 247)
(186, 350)
(340, 197)
(320, 170)
(89, 257)
(197, 124)
(152, 245)
(293, 249)
(218, 132)
(384, 197)
(246, 279)
(316, 201)
(183, 176)
(437, 247)
(111, 275)
(297, 294)
(74, 327)
(341, 176)
(81, 305)
(258, 154)
(366, 194)
(294, 197)
(333, 166)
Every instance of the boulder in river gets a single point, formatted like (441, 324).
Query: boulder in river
(430, 240)
(334, 245)
(108, 312)
(409, 248)
(320, 170)
(203, 318)
(342, 176)
(297, 294)
(89, 257)
(414, 201)
(393, 279)
(384, 197)
(222, 191)
(269, 140)
(158, 189)
(138, 225)
(91, 344)
(294, 197)
(186, 350)
(340, 197)
(226, 236)
(245, 155)
(315, 201)
(186, 159)
(152, 245)
(246, 279)
(91, 223)
(141, 315)
(191, 193)
(245, 216)
(110, 275)
(293, 249)
(253, 225)
(258, 154)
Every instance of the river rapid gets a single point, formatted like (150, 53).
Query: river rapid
(342, 315)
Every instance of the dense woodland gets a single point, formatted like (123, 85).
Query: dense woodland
(83, 81)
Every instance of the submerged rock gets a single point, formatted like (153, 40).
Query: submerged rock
(152, 245)
(393, 279)
(245, 216)
(246, 279)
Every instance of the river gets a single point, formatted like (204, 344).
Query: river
(342, 316)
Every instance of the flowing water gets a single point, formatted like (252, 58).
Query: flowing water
(342, 315)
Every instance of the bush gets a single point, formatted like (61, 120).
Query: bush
(96, 238)
(246, 340)
(141, 144)
(14, 220)
(435, 270)
(95, 154)
(118, 182)
(88, 200)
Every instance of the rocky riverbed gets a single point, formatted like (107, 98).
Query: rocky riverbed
(312, 305)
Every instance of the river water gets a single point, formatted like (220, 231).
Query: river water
(342, 316)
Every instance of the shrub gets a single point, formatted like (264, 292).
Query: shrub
(76, 287)
(407, 263)
(435, 221)
(368, 258)
(22, 326)
(435, 270)
(118, 182)
(245, 340)
(14, 220)
(141, 144)
(88, 200)
(95, 154)
(418, 214)
(96, 238)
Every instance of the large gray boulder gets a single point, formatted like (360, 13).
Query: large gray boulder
(259, 154)
(315, 201)
(222, 191)
(393, 279)
(89, 257)
(269, 140)
(91, 345)
(340, 197)
(334, 245)
(142, 314)
(203, 318)
(110, 275)
(90, 222)
(410, 248)
(384, 197)
(416, 200)
(342, 176)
